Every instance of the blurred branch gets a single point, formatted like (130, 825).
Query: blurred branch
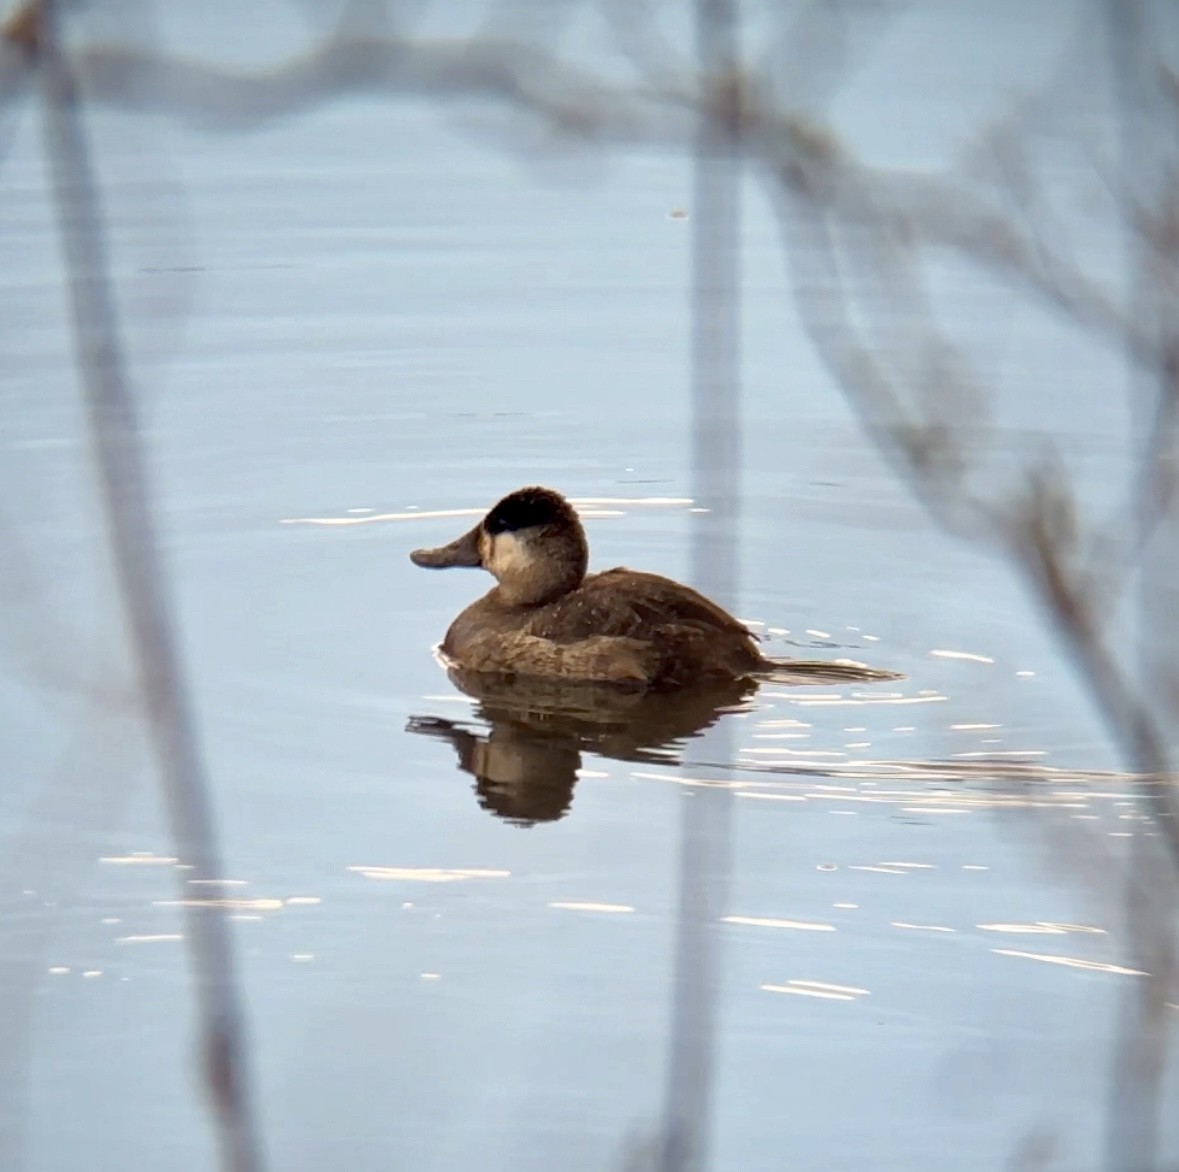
(523, 75)
(707, 814)
(929, 444)
(836, 216)
(125, 493)
(533, 80)
(1146, 121)
(922, 405)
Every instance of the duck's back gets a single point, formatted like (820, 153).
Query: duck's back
(690, 636)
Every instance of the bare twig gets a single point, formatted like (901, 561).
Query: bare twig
(130, 524)
(705, 828)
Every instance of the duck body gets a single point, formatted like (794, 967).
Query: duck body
(620, 626)
(547, 619)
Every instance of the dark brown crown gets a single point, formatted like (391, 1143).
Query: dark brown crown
(527, 508)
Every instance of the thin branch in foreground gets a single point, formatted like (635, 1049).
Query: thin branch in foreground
(123, 480)
(707, 813)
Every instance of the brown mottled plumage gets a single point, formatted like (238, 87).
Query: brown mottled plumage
(546, 619)
(620, 625)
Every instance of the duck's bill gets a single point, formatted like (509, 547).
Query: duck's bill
(464, 551)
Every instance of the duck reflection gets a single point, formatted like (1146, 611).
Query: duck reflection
(525, 766)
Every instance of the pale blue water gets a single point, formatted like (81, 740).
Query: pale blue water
(374, 306)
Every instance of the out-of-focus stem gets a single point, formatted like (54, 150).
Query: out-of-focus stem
(130, 525)
(705, 828)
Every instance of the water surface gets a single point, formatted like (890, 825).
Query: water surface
(368, 315)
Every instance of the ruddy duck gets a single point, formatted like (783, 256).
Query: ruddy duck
(546, 619)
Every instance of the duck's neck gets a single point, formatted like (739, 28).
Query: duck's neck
(539, 583)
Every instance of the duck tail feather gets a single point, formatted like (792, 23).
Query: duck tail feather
(840, 671)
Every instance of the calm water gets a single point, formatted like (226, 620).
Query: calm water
(375, 311)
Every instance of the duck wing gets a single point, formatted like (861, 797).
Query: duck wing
(632, 604)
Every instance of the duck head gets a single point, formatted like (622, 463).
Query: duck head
(531, 541)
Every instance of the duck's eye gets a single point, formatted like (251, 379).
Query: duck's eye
(524, 510)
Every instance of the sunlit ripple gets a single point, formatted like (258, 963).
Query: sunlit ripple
(771, 922)
(863, 774)
(1072, 962)
(989, 754)
(374, 518)
(1043, 928)
(858, 701)
(680, 779)
(820, 989)
(908, 769)
(574, 906)
(805, 754)
(597, 506)
(940, 811)
(429, 874)
(257, 905)
(139, 859)
(941, 653)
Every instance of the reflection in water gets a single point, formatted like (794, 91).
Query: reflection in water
(527, 763)
(525, 768)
